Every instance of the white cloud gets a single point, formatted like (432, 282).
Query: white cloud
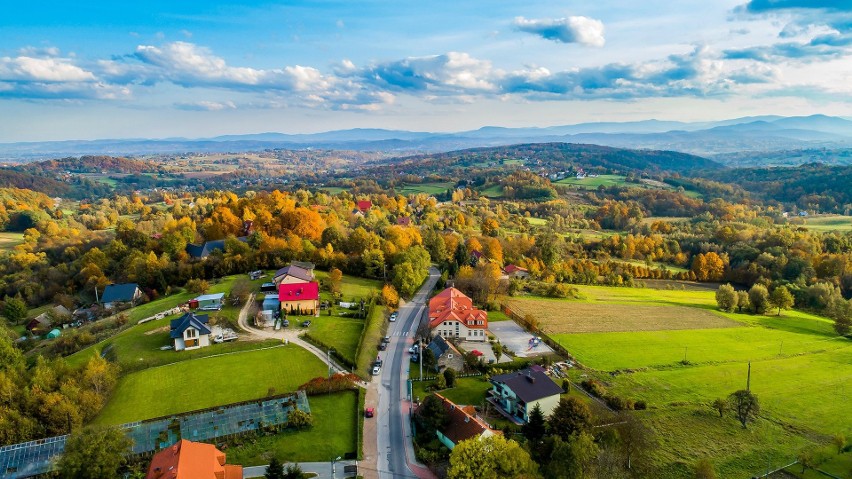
(206, 106)
(25, 68)
(582, 30)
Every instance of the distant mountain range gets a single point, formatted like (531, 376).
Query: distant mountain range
(710, 139)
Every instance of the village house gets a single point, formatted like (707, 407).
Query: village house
(299, 298)
(190, 331)
(292, 274)
(42, 323)
(451, 315)
(446, 355)
(516, 394)
(192, 460)
(517, 272)
(364, 205)
(117, 294)
(207, 248)
(207, 302)
(463, 424)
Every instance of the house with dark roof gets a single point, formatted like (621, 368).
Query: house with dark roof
(190, 331)
(516, 394)
(292, 274)
(205, 249)
(116, 294)
(463, 425)
(446, 355)
(192, 460)
(451, 315)
(42, 322)
(299, 298)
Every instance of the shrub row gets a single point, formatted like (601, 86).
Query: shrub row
(617, 403)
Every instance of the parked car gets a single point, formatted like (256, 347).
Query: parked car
(369, 412)
(414, 349)
(383, 346)
(378, 362)
(415, 358)
(386, 339)
(306, 323)
(392, 317)
(376, 370)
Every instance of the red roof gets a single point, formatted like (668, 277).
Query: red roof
(463, 422)
(298, 291)
(365, 205)
(403, 220)
(452, 305)
(509, 269)
(192, 460)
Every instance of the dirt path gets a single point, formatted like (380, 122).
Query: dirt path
(284, 335)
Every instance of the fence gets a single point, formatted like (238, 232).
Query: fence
(458, 376)
(39, 457)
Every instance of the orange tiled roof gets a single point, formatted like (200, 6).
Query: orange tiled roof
(452, 305)
(463, 422)
(192, 460)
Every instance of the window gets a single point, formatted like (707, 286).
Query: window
(191, 333)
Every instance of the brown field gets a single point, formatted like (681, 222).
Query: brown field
(561, 317)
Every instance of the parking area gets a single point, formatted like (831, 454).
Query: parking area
(517, 340)
(484, 347)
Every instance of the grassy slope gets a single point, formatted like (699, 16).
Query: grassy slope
(375, 329)
(208, 382)
(827, 223)
(333, 434)
(9, 240)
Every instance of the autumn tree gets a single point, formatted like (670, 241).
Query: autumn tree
(199, 286)
(743, 301)
(390, 297)
(758, 297)
(745, 405)
(726, 298)
(494, 457)
(304, 223)
(94, 453)
(781, 298)
(335, 276)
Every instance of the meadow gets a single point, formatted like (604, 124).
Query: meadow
(428, 188)
(206, 382)
(9, 239)
(593, 183)
(827, 223)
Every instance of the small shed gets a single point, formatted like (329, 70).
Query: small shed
(209, 300)
(53, 334)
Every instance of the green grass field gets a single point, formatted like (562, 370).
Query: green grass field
(536, 221)
(428, 188)
(801, 372)
(375, 328)
(334, 433)
(208, 382)
(340, 333)
(494, 316)
(592, 183)
(352, 288)
(468, 391)
(493, 191)
(826, 223)
(9, 240)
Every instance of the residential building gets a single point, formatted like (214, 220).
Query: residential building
(42, 322)
(513, 271)
(208, 302)
(292, 274)
(190, 331)
(446, 355)
(364, 205)
(516, 394)
(116, 294)
(192, 460)
(463, 425)
(451, 315)
(299, 298)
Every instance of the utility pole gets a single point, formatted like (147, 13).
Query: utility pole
(685, 348)
(420, 352)
(781, 348)
(748, 379)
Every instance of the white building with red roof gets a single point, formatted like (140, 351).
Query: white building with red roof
(452, 316)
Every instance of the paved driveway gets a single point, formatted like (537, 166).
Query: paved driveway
(516, 339)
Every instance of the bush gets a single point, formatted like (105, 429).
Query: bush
(337, 382)
(640, 405)
(594, 387)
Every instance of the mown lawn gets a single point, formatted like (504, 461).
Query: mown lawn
(340, 333)
(428, 188)
(374, 331)
(334, 433)
(468, 391)
(352, 288)
(592, 183)
(207, 382)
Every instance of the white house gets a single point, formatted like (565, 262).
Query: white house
(516, 394)
(190, 331)
(451, 315)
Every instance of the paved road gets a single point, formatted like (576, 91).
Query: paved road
(321, 469)
(395, 450)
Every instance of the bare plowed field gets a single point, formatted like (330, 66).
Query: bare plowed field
(556, 316)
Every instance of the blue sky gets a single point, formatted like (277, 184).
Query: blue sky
(86, 69)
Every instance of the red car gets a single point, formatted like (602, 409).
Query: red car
(369, 412)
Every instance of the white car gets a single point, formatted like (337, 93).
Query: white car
(392, 317)
(376, 370)
(414, 349)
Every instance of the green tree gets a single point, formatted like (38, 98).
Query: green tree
(431, 416)
(294, 471)
(535, 428)
(841, 312)
(758, 296)
(726, 298)
(199, 286)
(450, 377)
(573, 458)
(405, 280)
(299, 419)
(14, 309)
(721, 406)
(490, 458)
(745, 405)
(569, 417)
(743, 301)
(781, 298)
(428, 358)
(94, 453)
(275, 470)
(440, 382)
(704, 469)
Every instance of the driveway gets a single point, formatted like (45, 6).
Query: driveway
(517, 339)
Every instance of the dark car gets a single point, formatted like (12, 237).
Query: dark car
(306, 323)
(369, 412)
(285, 323)
(383, 346)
